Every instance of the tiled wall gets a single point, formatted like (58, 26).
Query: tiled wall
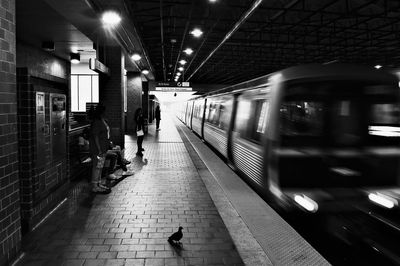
(111, 93)
(10, 235)
(134, 98)
(42, 184)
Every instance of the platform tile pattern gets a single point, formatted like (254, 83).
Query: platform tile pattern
(131, 225)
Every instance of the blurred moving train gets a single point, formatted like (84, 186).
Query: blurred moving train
(314, 138)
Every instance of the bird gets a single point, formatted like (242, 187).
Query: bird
(175, 237)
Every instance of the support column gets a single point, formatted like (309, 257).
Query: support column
(145, 100)
(111, 92)
(10, 227)
(134, 98)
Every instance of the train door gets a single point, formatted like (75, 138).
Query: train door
(189, 111)
(248, 134)
(203, 117)
(198, 110)
(217, 122)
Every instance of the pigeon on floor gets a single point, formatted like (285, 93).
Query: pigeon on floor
(175, 237)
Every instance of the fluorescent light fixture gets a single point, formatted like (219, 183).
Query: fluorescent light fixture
(382, 200)
(378, 66)
(188, 51)
(111, 18)
(196, 32)
(183, 62)
(75, 58)
(145, 71)
(212, 1)
(180, 68)
(306, 203)
(136, 57)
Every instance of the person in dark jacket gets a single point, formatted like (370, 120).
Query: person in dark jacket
(139, 130)
(98, 146)
(158, 117)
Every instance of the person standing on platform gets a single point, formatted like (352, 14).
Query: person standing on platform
(158, 117)
(98, 146)
(139, 131)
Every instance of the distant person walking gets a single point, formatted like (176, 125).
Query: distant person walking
(98, 146)
(158, 117)
(139, 131)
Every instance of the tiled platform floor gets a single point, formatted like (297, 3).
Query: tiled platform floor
(131, 225)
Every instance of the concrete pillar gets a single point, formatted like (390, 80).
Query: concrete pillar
(111, 92)
(145, 100)
(10, 228)
(134, 98)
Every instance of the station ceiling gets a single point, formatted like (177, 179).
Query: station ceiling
(277, 34)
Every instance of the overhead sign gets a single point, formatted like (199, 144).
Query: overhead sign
(98, 66)
(173, 86)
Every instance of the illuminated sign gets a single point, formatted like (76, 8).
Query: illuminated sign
(98, 66)
(174, 89)
(173, 86)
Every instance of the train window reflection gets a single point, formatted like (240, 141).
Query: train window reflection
(340, 114)
(218, 112)
(385, 120)
(262, 121)
(251, 119)
(301, 118)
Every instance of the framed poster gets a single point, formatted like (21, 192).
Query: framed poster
(39, 102)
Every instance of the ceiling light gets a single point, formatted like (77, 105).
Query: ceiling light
(180, 68)
(136, 57)
(188, 51)
(196, 32)
(111, 18)
(145, 71)
(182, 62)
(212, 1)
(378, 66)
(75, 58)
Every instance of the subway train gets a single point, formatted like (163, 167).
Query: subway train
(311, 139)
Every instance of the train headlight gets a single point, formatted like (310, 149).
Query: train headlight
(306, 203)
(382, 200)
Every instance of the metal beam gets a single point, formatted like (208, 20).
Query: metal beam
(245, 16)
(162, 41)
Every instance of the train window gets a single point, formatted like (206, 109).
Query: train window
(384, 120)
(385, 113)
(218, 112)
(262, 120)
(225, 110)
(197, 113)
(210, 112)
(340, 114)
(251, 119)
(301, 118)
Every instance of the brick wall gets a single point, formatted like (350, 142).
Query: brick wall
(10, 236)
(42, 64)
(111, 92)
(43, 179)
(134, 98)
